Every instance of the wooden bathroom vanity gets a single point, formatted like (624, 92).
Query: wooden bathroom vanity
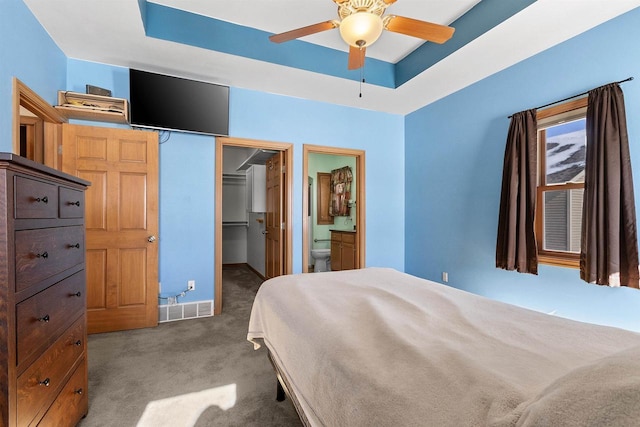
(344, 250)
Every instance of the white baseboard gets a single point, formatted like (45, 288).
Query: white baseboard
(185, 310)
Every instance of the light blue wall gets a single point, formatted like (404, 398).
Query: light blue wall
(187, 210)
(187, 173)
(28, 53)
(454, 153)
(278, 118)
(82, 73)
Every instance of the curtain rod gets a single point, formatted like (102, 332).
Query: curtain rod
(574, 96)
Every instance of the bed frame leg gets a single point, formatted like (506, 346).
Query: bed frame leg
(280, 396)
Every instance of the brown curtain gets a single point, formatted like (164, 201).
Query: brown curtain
(516, 246)
(609, 252)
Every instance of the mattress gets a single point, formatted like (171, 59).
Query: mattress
(379, 347)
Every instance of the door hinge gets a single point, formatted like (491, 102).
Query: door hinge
(284, 169)
(282, 226)
(60, 149)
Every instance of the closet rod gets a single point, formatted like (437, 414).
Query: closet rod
(574, 96)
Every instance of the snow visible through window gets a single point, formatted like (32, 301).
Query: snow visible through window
(566, 150)
(565, 162)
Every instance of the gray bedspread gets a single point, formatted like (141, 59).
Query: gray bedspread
(376, 347)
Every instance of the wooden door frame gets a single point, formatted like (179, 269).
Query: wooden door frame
(287, 256)
(360, 198)
(34, 136)
(23, 96)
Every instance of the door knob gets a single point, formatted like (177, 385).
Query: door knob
(151, 239)
(265, 231)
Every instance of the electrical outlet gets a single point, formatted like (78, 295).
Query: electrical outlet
(191, 285)
(445, 276)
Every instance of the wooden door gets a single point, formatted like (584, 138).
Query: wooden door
(121, 222)
(273, 228)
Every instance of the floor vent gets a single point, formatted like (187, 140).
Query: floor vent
(185, 310)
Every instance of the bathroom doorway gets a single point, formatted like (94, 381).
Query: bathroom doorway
(318, 237)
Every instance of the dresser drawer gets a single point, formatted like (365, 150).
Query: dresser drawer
(35, 199)
(42, 316)
(44, 252)
(71, 404)
(71, 203)
(38, 385)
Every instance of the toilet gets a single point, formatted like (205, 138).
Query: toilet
(322, 259)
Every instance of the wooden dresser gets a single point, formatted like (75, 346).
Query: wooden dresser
(43, 362)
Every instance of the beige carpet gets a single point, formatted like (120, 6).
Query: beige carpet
(198, 372)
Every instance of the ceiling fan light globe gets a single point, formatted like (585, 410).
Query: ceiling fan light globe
(361, 27)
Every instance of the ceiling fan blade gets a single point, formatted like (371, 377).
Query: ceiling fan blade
(304, 31)
(421, 29)
(356, 57)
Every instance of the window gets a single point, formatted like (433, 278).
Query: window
(562, 147)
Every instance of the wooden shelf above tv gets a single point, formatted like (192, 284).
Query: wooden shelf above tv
(82, 106)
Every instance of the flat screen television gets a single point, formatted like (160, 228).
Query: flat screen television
(172, 103)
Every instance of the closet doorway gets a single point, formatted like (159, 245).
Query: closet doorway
(279, 210)
(358, 203)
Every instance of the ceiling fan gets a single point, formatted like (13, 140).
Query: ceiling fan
(361, 23)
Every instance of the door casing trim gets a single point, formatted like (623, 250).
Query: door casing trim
(360, 198)
(287, 150)
(27, 98)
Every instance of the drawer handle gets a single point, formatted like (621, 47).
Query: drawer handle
(76, 203)
(78, 343)
(77, 294)
(44, 255)
(46, 382)
(44, 200)
(44, 319)
(79, 391)
(77, 246)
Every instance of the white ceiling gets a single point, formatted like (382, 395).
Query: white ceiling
(111, 32)
(278, 16)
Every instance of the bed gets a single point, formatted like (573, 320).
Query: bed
(377, 347)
